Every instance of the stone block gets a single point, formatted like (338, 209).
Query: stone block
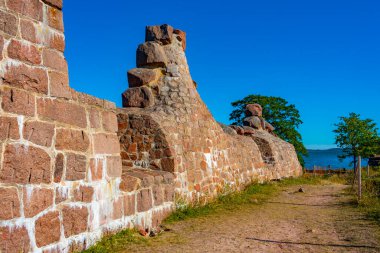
(58, 167)
(36, 200)
(129, 205)
(70, 139)
(48, 229)
(113, 166)
(168, 164)
(96, 168)
(158, 195)
(141, 97)
(129, 183)
(62, 111)
(28, 31)
(144, 200)
(163, 33)
(169, 193)
(95, 121)
(14, 239)
(24, 52)
(75, 167)
(10, 203)
(56, 41)
(29, 8)
(9, 128)
(106, 144)
(55, 18)
(25, 165)
(181, 37)
(150, 54)
(109, 121)
(18, 102)
(54, 60)
(74, 220)
(54, 3)
(40, 133)
(138, 77)
(27, 78)
(8, 23)
(118, 208)
(59, 85)
(84, 194)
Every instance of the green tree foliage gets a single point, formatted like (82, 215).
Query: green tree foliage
(283, 116)
(357, 136)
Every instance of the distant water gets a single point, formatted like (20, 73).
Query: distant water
(324, 158)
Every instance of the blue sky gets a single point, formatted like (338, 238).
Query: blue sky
(323, 56)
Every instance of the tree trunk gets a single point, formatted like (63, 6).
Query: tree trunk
(359, 177)
(368, 170)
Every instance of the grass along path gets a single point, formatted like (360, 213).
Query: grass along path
(264, 218)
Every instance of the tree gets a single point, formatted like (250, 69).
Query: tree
(283, 116)
(356, 137)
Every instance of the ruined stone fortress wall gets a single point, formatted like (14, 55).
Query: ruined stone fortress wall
(74, 167)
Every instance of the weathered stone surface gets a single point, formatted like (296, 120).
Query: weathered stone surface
(84, 193)
(168, 164)
(59, 85)
(129, 183)
(150, 54)
(96, 168)
(29, 8)
(48, 229)
(55, 18)
(27, 78)
(25, 165)
(61, 194)
(9, 128)
(36, 200)
(95, 121)
(181, 37)
(62, 111)
(40, 133)
(106, 144)
(18, 102)
(140, 76)
(56, 41)
(109, 121)
(58, 167)
(114, 166)
(158, 195)
(55, 3)
(70, 139)
(162, 33)
(254, 110)
(75, 167)
(129, 205)
(8, 23)
(144, 200)
(14, 239)
(1, 47)
(138, 97)
(118, 208)
(28, 31)
(74, 220)
(248, 130)
(10, 203)
(24, 52)
(54, 60)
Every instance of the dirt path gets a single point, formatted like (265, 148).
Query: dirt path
(318, 220)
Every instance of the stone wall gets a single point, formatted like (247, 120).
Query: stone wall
(74, 167)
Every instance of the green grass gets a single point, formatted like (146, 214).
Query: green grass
(370, 201)
(253, 194)
(115, 243)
